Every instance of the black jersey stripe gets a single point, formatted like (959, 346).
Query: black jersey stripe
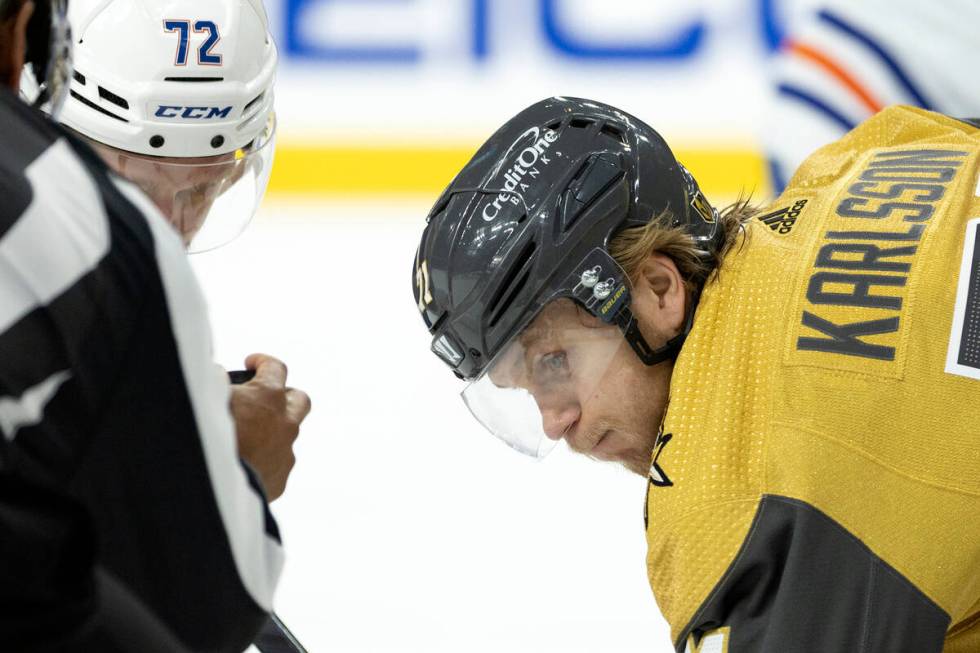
(62, 235)
(17, 196)
(271, 527)
(59, 335)
(803, 582)
(968, 322)
(46, 449)
(30, 351)
(20, 146)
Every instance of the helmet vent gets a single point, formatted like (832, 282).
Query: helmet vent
(253, 102)
(553, 126)
(193, 79)
(580, 123)
(513, 284)
(613, 132)
(79, 77)
(92, 105)
(109, 96)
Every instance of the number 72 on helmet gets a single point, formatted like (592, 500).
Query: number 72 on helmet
(204, 55)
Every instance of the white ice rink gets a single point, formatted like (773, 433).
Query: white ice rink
(407, 527)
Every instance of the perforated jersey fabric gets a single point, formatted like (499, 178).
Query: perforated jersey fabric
(827, 370)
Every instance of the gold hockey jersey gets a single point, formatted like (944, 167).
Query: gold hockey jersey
(816, 484)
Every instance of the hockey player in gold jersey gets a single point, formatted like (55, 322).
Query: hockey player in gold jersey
(800, 382)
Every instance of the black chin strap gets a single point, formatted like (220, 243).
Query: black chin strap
(631, 331)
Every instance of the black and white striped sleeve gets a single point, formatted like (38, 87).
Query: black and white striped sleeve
(108, 393)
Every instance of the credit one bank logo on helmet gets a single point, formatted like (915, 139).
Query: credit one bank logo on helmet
(518, 178)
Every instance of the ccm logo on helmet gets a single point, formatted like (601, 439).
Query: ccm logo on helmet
(526, 164)
(192, 113)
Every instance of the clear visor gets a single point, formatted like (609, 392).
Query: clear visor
(537, 389)
(209, 200)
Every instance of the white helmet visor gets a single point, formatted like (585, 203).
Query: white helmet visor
(536, 391)
(209, 200)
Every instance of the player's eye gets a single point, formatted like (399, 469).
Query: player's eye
(552, 368)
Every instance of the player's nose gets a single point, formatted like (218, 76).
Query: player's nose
(558, 421)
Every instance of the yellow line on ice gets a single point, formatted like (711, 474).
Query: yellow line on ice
(302, 169)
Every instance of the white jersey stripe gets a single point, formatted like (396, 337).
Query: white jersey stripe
(66, 202)
(28, 409)
(258, 556)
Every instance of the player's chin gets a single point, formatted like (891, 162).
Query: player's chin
(637, 464)
(634, 460)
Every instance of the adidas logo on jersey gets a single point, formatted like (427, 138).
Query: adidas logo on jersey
(783, 220)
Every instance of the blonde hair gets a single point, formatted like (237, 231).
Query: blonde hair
(632, 246)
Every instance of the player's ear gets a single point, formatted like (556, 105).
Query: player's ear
(13, 45)
(659, 297)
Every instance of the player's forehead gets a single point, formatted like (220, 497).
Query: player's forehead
(179, 171)
(557, 317)
(195, 161)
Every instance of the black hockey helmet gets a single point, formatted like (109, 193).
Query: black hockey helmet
(517, 247)
(531, 216)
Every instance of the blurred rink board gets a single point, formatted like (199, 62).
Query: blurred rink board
(329, 169)
(392, 97)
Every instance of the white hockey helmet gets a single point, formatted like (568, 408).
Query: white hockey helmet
(178, 97)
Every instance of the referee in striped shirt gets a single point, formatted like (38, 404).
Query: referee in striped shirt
(127, 520)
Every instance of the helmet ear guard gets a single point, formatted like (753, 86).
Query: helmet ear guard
(603, 290)
(616, 309)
